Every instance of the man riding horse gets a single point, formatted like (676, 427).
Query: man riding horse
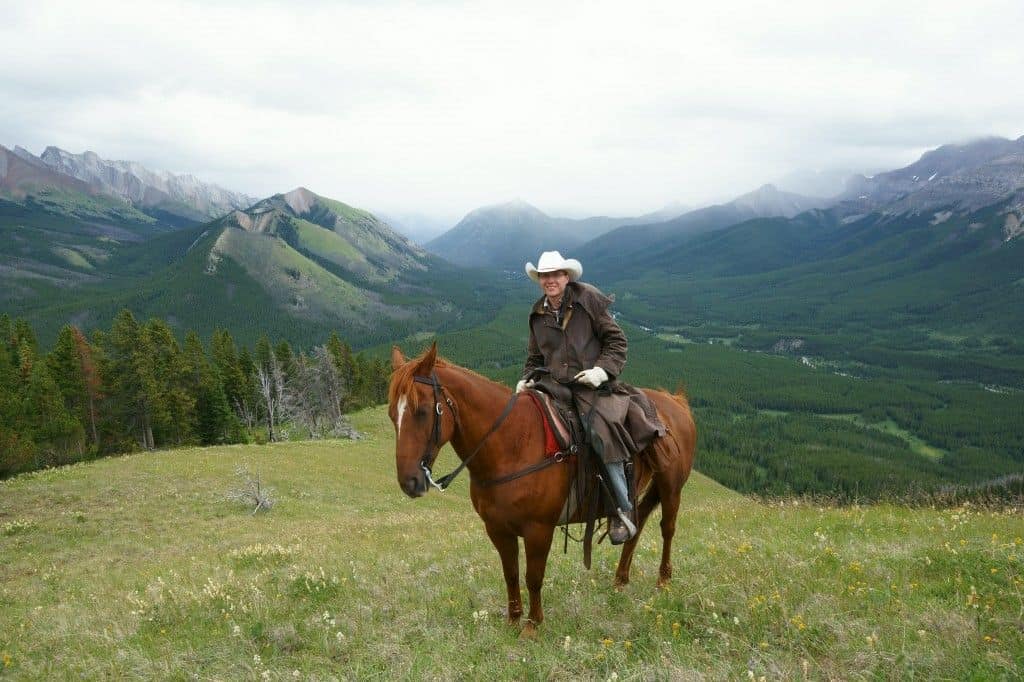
(576, 344)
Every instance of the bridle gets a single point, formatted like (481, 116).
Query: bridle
(442, 483)
(439, 391)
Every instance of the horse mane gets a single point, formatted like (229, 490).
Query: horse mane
(402, 378)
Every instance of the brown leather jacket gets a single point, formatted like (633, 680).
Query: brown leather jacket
(585, 337)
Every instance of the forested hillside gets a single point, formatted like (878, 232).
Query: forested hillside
(135, 387)
(782, 424)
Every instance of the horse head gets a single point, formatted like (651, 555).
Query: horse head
(422, 415)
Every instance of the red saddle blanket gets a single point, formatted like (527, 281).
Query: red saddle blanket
(556, 433)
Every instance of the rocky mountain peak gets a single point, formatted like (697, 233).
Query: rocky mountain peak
(300, 200)
(144, 188)
(769, 201)
(515, 211)
(968, 176)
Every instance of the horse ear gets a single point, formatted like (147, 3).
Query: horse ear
(397, 359)
(429, 358)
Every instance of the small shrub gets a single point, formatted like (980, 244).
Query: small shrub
(251, 491)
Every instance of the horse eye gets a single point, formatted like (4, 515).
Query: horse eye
(420, 412)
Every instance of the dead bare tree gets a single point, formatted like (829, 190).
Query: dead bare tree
(315, 394)
(246, 412)
(271, 385)
(251, 491)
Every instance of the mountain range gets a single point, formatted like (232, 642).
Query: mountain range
(177, 199)
(605, 254)
(968, 176)
(918, 256)
(933, 246)
(507, 235)
(86, 237)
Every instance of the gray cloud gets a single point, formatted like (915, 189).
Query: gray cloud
(589, 107)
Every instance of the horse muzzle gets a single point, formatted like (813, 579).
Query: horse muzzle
(414, 486)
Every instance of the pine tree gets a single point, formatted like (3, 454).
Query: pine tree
(215, 421)
(7, 336)
(250, 385)
(59, 438)
(381, 379)
(24, 335)
(285, 359)
(93, 381)
(173, 407)
(262, 352)
(17, 451)
(128, 367)
(71, 366)
(341, 354)
(234, 376)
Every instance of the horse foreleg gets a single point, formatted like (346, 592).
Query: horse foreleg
(538, 543)
(644, 509)
(507, 545)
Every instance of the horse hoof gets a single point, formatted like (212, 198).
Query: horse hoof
(620, 583)
(663, 583)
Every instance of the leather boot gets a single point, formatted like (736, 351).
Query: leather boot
(620, 528)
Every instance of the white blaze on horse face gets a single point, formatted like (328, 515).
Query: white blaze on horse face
(402, 402)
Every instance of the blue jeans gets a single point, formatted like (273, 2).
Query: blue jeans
(617, 474)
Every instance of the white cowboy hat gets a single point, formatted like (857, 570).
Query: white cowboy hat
(552, 261)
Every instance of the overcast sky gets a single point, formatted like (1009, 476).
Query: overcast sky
(441, 107)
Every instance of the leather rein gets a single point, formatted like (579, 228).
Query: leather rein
(442, 483)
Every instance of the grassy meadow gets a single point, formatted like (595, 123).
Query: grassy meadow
(139, 567)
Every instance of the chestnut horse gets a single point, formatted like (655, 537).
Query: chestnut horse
(432, 402)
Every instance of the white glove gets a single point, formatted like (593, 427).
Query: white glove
(592, 377)
(523, 385)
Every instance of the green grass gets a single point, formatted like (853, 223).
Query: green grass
(139, 567)
(889, 426)
(73, 258)
(328, 244)
(292, 280)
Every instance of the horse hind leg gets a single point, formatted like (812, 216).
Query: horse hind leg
(647, 504)
(669, 510)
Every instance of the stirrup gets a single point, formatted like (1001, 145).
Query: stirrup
(625, 520)
(627, 525)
